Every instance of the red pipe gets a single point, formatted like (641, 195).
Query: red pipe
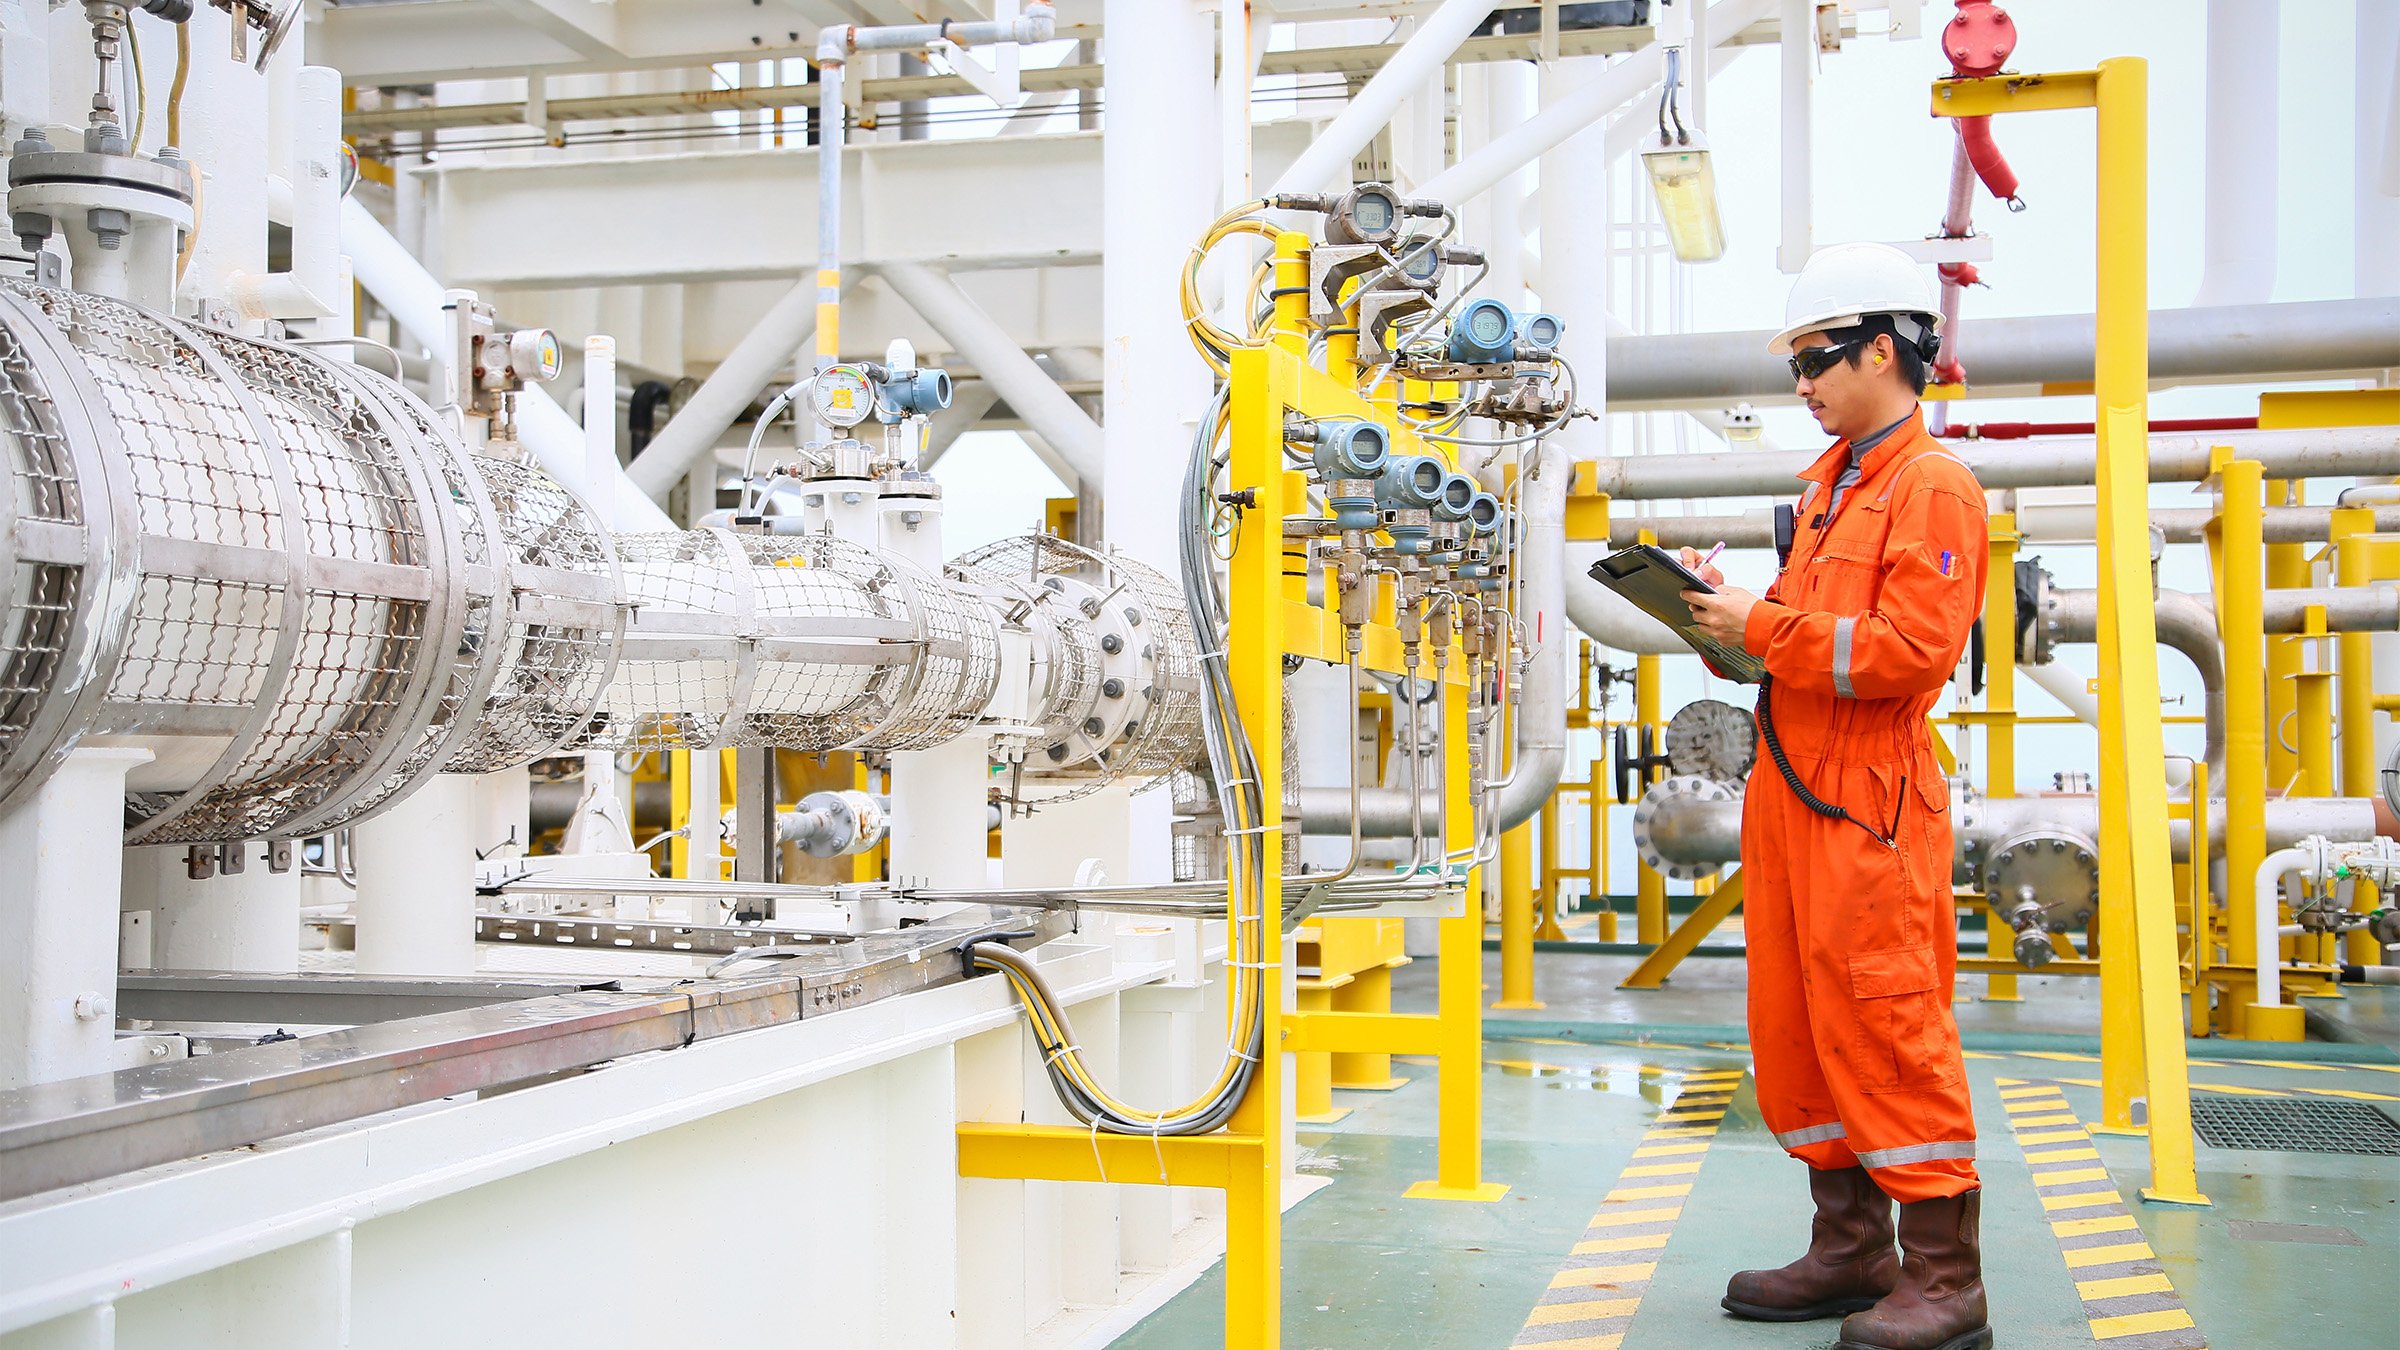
(1975, 133)
(2017, 431)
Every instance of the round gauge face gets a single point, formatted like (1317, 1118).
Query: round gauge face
(1488, 325)
(1374, 213)
(548, 358)
(1422, 265)
(842, 398)
(1542, 331)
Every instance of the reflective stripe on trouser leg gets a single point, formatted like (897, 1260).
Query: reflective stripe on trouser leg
(1814, 1134)
(1914, 1153)
(1841, 657)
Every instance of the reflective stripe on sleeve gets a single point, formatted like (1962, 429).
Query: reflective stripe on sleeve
(1814, 1134)
(1916, 1153)
(1841, 657)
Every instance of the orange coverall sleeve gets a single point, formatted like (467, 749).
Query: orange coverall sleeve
(1910, 642)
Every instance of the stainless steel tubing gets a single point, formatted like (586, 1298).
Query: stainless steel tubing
(2185, 344)
(2348, 609)
(2186, 624)
(2064, 461)
(1689, 830)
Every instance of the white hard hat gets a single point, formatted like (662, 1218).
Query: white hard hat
(1845, 283)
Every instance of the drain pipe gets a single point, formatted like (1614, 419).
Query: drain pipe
(2307, 859)
(2185, 623)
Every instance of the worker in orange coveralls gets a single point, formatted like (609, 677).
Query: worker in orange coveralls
(1846, 841)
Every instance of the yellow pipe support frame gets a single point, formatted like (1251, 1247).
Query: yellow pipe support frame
(1516, 921)
(1712, 910)
(2000, 708)
(2287, 569)
(2142, 1046)
(2355, 725)
(1312, 1070)
(2313, 707)
(2239, 534)
(679, 812)
(1650, 885)
(1545, 901)
(1369, 1069)
(1458, 1152)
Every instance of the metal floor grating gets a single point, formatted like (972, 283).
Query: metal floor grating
(2284, 1126)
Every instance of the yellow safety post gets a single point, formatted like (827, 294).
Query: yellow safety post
(679, 812)
(1597, 802)
(1312, 1070)
(2312, 707)
(2239, 534)
(1516, 920)
(2142, 1046)
(2000, 711)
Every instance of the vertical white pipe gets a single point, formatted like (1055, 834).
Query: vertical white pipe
(1508, 100)
(1326, 162)
(1799, 53)
(2269, 916)
(63, 851)
(2239, 151)
(1575, 262)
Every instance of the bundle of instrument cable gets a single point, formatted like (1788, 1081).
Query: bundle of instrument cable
(1234, 767)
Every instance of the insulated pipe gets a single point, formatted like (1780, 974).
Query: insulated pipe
(761, 358)
(1049, 410)
(1665, 370)
(2065, 462)
(2305, 859)
(415, 301)
(1609, 618)
(2186, 624)
(1417, 60)
(1628, 79)
(2239, 147)
(2348, 609)
(1542, 693)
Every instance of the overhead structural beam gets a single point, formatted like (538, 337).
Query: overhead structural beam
(415, 300)
(2318, 337)
(1626, 80)
(1437, 37)
(1049, 411)
(968, 403)
(764, 355)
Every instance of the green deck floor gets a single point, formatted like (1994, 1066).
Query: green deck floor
(2292, 1253)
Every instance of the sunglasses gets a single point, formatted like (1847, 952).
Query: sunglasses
(1810, 362)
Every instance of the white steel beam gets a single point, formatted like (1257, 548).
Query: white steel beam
(1049, 410)
(763, 354)
(1624, 81)
(1438, 35)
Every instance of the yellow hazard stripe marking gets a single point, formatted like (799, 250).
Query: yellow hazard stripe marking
(1550, 1314)
(2134, 1324)
(2114, 1253)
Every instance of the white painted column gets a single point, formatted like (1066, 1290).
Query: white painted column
(246, 920)
(1575, 234)
(2376, 150)
(416, 882)
(1159, 162)
(61, 851)
(1507, 102)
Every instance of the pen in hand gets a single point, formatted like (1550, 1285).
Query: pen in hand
(1712, 554)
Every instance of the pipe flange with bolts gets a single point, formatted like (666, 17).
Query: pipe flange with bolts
(1712, 739)
(2043, 881)
(1646, 819)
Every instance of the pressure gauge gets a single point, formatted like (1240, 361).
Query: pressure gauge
(533, 355)
(1540, 330)
(1421, 261)
(1366, 214)
(1483, 333)
(842, 397)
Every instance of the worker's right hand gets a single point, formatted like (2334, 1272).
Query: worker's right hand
(1706, 572)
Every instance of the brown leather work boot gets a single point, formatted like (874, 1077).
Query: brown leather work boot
(1939, 1302)
(1850, 1261)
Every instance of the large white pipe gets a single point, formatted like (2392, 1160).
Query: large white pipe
(312, 287)
(2239, 152)
(1626, 80)
(2267, 912)
(1327, 159)
(2218, 342)
(1049, 410)
(1798, 49)
(415, 300)
(2062, 461)
(1541, 596)
(2375, 153)
(1609, 618)
(762, 356)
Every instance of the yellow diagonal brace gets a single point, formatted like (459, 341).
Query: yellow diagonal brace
(1713, 910)
(1003, 1151)
(1361, 1033)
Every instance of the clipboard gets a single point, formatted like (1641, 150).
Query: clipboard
(1654, 581)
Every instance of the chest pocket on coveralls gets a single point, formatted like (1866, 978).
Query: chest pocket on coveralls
(1846, 565)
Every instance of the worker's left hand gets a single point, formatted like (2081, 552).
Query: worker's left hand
(1723, 614)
